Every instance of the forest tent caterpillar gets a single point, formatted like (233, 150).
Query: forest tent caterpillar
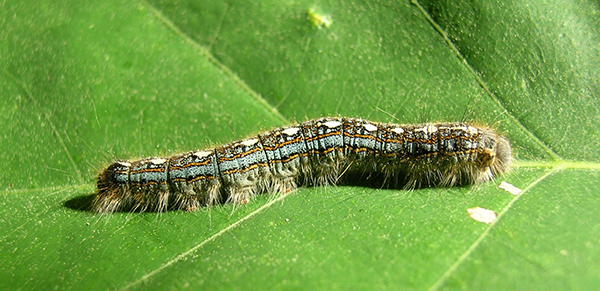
(315, 152)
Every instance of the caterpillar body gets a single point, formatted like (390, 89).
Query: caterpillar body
(315, 152)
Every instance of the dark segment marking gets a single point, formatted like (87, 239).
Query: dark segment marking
(315, 152)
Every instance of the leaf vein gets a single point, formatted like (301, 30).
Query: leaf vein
(206, 53)
(483, 84)
(211, 238)
(438, 284)
(46, 116)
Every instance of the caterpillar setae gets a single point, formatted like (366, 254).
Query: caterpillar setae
(315, 152)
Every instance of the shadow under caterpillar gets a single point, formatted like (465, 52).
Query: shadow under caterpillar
(315, 152)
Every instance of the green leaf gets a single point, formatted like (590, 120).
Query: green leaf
(84, 83)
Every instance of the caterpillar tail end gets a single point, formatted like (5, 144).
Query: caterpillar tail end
(112, 193)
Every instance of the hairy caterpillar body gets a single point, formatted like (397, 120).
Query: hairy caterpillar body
(315, 152)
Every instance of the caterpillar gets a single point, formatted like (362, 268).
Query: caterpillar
(315, 152)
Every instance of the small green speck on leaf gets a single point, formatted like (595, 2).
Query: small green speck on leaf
(319, 20)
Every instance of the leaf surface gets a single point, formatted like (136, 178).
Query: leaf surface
(84, 83)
